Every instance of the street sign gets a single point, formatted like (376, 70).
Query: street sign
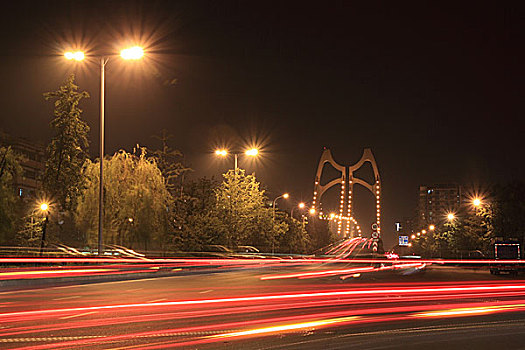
(375, 235)
(403, 241)
(374, 226)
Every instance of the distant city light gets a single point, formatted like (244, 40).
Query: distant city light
(432, 227)
(301, 205)
(451, 216)
(476, 202)
(44, 206)
(286, 196)
(221, 152)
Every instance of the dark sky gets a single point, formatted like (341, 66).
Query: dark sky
(434, 88)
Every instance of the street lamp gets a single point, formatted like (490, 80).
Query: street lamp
(285, 196)
(132, 53)
(432, 227)
(252, 152)
(451, 216)
(44, 208)
(301, 206)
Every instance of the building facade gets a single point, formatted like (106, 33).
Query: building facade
(29, 182)
(436, 201)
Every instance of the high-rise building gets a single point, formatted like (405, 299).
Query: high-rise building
(30, 181)
(435, 201)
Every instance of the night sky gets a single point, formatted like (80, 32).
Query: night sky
(434, 89)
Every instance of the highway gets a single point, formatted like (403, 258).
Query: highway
(274, 307)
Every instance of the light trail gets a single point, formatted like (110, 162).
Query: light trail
(10, 316)
(319, 321)
(206, 313)
(255, 261)
(341, 271)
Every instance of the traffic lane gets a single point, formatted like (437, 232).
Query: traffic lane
(256, 329)
(129, 323)
(501, 331)
(219, 285)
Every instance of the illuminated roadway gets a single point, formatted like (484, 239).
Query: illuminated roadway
(446, 307)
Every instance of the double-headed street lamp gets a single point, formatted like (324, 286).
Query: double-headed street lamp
(253, 152)
(132, 53)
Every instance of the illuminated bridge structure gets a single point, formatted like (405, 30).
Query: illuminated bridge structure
(347, 180)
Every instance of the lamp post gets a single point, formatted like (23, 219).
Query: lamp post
(285, 196)
(132, 53)
(44, 207)
(301, 206)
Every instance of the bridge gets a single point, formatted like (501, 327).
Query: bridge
(347, 225)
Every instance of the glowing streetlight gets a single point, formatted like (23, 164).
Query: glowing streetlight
(301, 206)
(431, 227)
(451, 216)
(76, 55)
(476, 202)
(312, 211)
(332, 216)
(413, 236)
(285, 196)
(132, 53)
(44, 208)
(423, 231)
(252, 152)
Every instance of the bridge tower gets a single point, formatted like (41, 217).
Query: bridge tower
(347, 180)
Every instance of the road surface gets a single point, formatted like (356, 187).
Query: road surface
(274, 308)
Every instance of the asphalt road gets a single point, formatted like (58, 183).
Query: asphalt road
(274, 308)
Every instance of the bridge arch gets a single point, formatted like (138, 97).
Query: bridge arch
(347, 180)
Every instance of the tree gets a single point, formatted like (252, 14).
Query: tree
(194, 217)
(320, 234)
(67, 150)
(168, 161)
(10, 169)
(295, 239)
(240, 204)
(136, 201)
